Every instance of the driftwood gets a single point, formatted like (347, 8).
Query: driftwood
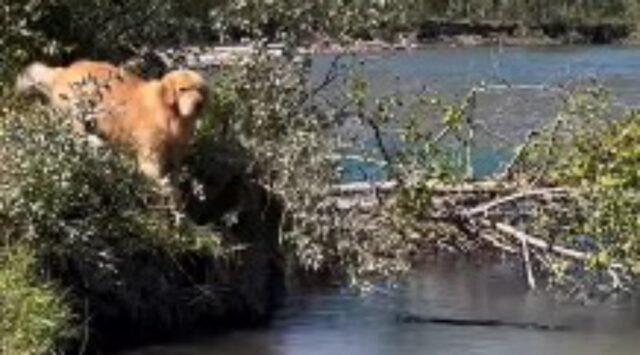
(541, 244)
(479, 210)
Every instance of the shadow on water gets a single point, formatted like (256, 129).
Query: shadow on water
(339, 322)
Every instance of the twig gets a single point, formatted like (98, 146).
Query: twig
(538, 243)
(357, 157)
(486, 207)
(553, 137)
(443, 133)
(526, 258)
(616, 282)
(330, 76)
(470, 107)
(363, 187)
(85, 329)
(508, 171)
(485, 128)
(493, 240)
(377, 133)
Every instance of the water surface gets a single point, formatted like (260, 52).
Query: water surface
(339, 322)
(523, 86)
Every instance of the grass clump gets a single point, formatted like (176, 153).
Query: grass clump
(35, 315)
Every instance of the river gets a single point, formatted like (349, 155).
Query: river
(521, 87)
(338, 322)
(520, 96)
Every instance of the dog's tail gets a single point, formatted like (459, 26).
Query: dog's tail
(36, 78)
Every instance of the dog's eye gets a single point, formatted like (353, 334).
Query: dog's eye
(183, 89)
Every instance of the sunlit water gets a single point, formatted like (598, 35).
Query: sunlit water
(521, 96)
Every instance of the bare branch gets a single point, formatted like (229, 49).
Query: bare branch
(486, 207)
(497, 243)
(536, 242)
(526, 258)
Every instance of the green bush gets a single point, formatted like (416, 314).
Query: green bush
(79, 210)
(593, 149)
(590, 144)
(63, 189)
(35, 314)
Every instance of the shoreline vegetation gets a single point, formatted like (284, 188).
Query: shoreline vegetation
(92, 260)
(91, 257)
(432, 34)
(473, 33)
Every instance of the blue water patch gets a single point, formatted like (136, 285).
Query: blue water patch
(356, 170)
(486, 161)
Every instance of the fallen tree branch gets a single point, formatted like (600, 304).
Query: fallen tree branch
(536, 242)
(486, 207)
(496, 243)
(363, 187)
(481, 187)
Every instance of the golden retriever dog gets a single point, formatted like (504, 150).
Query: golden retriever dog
(155, 118)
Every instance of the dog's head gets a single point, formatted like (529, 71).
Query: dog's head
(184, 91)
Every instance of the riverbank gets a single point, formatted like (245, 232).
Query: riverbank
(93, 258)
(165, 290)
(474, 33)
(331, 321)
(431, 34)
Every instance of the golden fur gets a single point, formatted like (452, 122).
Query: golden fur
(155, 118)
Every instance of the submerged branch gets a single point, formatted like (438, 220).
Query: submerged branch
(477, 322)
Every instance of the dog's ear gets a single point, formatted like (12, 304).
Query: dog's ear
(169, 92)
